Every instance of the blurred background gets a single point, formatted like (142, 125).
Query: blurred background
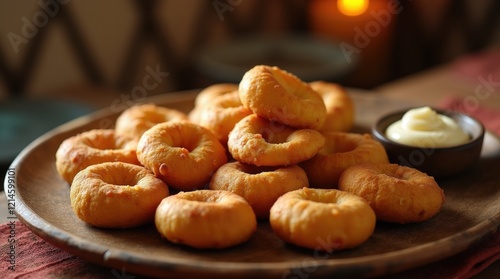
(64, 58)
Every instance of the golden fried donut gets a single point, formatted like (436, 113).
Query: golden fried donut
(206, 96)
(280, 96)
(222, 114)
(90, 148)
(396, 193)
(183, 154)
(261, 142)
(339, 106)
(116, 195)
(322, 219)
(341, 151)
(205, 219)
(136, 120)
(259, 186)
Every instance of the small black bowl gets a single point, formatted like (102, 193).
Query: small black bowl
(436, 161)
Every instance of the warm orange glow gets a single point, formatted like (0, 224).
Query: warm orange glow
(352, 7)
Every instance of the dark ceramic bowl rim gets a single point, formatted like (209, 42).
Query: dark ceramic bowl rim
(379, 131)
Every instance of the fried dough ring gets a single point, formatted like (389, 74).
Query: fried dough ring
(261, 142)
(322, 219)
(280, 96)
(222, 114)
(339, 106)
(136, 120)
(396, 193)
(341, 151)
(90, 148)
(205, 219)
(206, 96)
(259, 186)
(116, 195)
(183, 154)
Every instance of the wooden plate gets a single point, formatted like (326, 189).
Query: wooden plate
(471, 212)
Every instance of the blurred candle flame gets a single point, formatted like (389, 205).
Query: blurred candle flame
(352, 7)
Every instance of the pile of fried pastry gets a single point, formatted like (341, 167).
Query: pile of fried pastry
(272, 148)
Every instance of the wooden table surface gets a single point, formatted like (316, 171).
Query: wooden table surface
(429, 87)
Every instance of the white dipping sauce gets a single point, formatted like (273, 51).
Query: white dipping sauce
(424, 127)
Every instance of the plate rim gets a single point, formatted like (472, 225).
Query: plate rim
(118, 257)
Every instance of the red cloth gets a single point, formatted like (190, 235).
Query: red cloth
(484, 63)
(488, 116)
(461, 266)
(483, 69)
(35, 258)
